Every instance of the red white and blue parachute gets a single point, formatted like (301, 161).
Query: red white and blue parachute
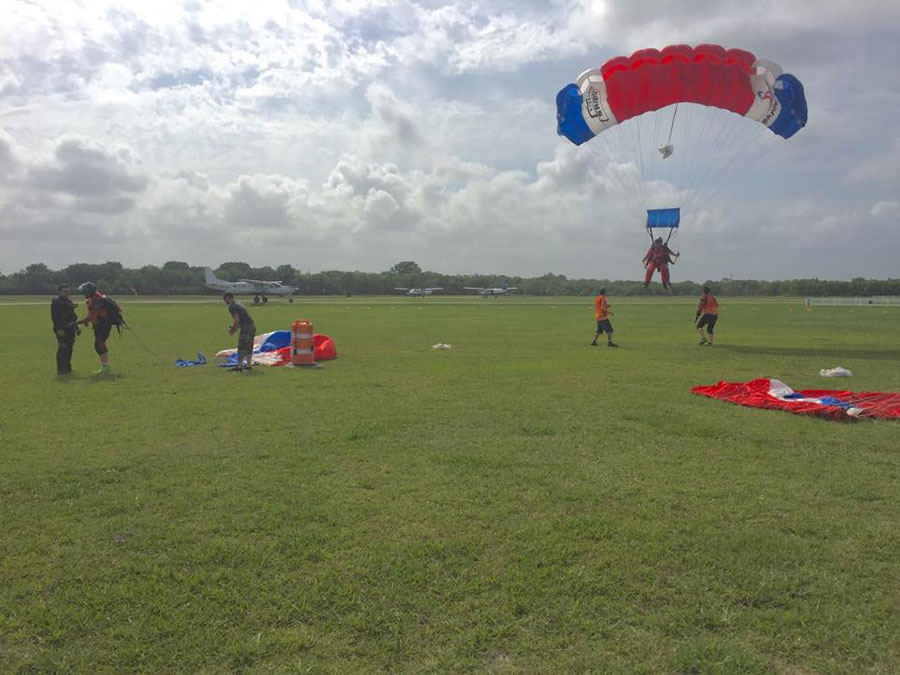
(709, 112)
(652, 79)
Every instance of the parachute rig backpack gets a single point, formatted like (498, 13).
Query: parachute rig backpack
(113, 313)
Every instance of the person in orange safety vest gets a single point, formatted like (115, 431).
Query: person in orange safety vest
(602, 314)
(707, 315)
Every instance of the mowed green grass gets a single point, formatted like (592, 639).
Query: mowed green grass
(521, 502)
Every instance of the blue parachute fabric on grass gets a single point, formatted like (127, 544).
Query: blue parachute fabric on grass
(277, 340)
(274, 341)
(663, 217)
(184, 363)
(229, 361)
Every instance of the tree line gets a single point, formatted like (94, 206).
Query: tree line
(180, 278)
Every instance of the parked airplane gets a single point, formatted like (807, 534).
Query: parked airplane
(493, 292)
(260, 290)
(412, 292)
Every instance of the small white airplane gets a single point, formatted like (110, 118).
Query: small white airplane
(260, 290)
(421, 292)
(490, 292)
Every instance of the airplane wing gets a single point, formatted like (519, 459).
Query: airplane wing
(436, 288)
(472, 288)
(401, 289)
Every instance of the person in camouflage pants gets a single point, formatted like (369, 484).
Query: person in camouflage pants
(243, 322)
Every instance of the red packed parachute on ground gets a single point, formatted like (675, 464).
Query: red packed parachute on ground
(830, 404)
(324, 348)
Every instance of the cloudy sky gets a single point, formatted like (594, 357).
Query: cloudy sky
(352, 134)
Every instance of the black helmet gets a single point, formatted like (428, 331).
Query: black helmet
(658, 240)
(88, 288)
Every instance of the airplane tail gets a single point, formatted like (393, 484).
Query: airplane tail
(210, 277)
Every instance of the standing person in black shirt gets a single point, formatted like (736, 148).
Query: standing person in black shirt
(243, 322)
(62, 312)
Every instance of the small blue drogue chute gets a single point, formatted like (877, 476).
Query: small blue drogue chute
(658, 219)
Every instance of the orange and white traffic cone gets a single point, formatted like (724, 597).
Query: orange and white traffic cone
(302, 343)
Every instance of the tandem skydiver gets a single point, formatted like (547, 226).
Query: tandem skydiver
(658, 257)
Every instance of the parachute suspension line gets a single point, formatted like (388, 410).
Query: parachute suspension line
(742, 133)
(611, 161)
(627, 142)
(701, 152)
(705, 159)
(676, 244)
(747, 162)
(709, 167)
(674, 114)
(621, 175)
(640, 146)
(690, 125)
(611, 174)
(684, 128)
(731, 134)
(626, 166)
(665, 149)
(655, 127)
(706, 167)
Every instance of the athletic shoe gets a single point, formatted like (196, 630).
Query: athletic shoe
(611, 344)
(235, 369)
(102, 370)
(703, 341)
(593, 344)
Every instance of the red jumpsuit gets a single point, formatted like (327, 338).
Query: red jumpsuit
(658, 258)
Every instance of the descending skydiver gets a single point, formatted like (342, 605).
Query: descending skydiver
(659, 256)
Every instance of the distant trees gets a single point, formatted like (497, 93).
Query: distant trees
(232, 271)
(405, 267)
(177, 277)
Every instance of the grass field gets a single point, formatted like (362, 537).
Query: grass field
(519, 503)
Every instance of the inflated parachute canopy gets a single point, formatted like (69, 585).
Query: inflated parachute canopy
(651, 79)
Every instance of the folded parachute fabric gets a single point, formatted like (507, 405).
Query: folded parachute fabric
(274, 349)
(264, 342)
(324, 348)
(199, 361)
(277, 340)
(837, 371)
(834, 405)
